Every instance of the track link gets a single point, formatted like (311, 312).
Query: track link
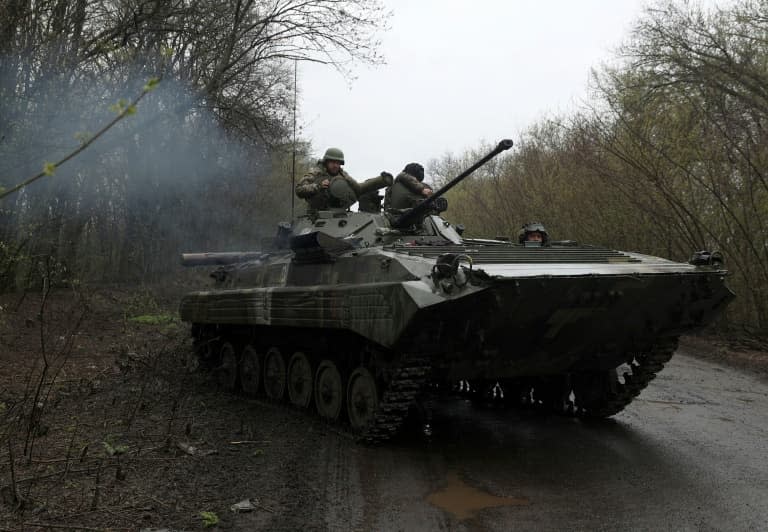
(596, 394)
(405, 385)
(617, 395)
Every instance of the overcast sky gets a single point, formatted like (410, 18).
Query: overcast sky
(458, 72)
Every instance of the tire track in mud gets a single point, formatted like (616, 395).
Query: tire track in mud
(344, 486)
(299, 500)
(317, 484)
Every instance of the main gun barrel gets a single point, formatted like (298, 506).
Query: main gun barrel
(414, 214)
(219, 259)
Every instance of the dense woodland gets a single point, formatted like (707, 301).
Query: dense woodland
(668, 155)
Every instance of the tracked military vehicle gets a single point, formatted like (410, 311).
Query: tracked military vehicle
(350, 314)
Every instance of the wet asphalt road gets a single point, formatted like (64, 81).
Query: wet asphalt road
(691, 453)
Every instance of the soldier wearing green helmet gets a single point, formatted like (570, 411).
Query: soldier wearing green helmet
(533, 234)
(313, 187)
(329, 186)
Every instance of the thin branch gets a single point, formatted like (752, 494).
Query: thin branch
(127, 111)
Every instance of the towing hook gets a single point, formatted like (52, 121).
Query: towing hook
(446, 273)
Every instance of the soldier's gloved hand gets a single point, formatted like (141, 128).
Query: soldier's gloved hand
(388, 178)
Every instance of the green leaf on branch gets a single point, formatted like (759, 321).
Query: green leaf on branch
(151, 84)
(130, 110)
(83, 136)
(119, 107)
(49, 169)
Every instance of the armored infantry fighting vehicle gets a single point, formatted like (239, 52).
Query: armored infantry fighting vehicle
(350, 314)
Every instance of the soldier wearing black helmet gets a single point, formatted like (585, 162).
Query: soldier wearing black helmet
(409, 189)
(533, 234)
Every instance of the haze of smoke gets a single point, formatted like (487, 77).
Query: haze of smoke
(165, 180)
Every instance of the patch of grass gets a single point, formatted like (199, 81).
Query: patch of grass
(141, 300)
(154, 319)
(209, 519)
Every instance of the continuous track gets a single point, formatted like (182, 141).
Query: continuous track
(396, 395)
(596, 394)
(401, 393)
(592, 394)
(617, 395)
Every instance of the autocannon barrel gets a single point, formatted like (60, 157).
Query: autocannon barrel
(218, 259)
(414, 214)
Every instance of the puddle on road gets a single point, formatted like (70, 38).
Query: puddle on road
(464, 501)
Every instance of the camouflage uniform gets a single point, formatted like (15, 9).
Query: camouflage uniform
(405, 193)
(317, 197)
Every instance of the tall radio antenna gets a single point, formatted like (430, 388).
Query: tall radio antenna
(293, 159)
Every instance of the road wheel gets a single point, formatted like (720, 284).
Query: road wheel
(274, 374)
(204, 355)
(329, 390)
(227, 371)
(362, 399)
(250, 371)
(299, 380)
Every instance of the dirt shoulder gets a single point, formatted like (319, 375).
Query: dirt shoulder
(726, 352)
(115, 432)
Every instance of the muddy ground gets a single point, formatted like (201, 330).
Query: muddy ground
(123, 437)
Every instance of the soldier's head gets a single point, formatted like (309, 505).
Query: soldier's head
(533, 233)
(332, 160)
(415, 169)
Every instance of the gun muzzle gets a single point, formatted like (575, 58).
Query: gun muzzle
(417, 212)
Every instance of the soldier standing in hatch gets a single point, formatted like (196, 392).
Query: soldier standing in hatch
(533, 234)
(408, 189)
(313, 187)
